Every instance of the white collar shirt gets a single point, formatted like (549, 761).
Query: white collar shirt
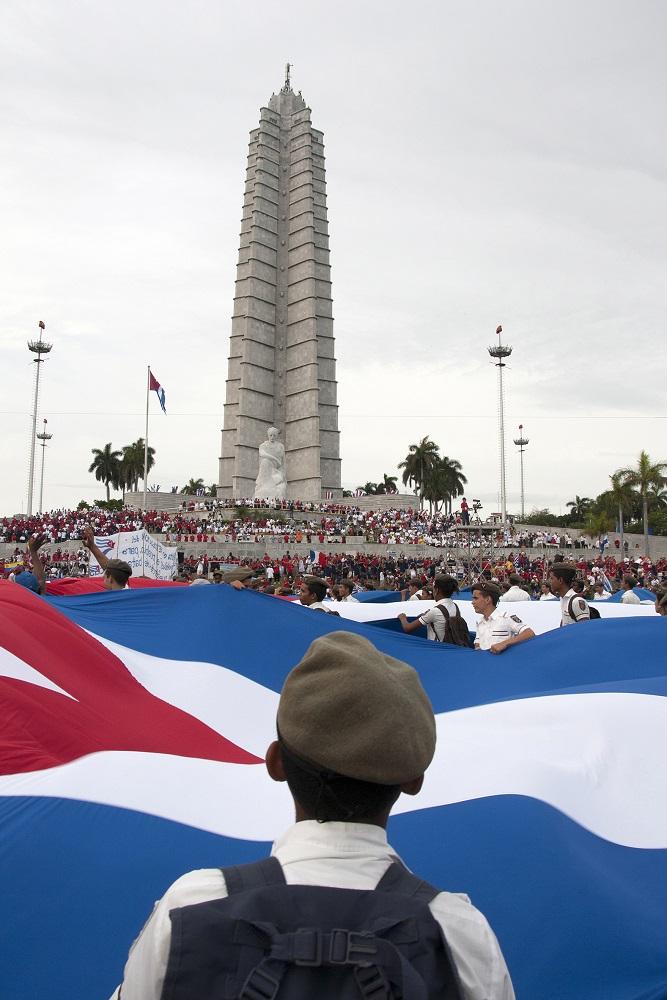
(435, 621)
(579, 610)
(515, 594)
(500, 625)
(339, 855)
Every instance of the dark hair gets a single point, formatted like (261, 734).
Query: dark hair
(330, 797)
(349, 586)
(488, 589)
(564, 572)
(630, 581)
(119, 571)
(447, 585)
(515, 579)
(578, 585)
(316, 587)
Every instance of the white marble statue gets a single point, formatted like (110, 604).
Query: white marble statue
(271, 482)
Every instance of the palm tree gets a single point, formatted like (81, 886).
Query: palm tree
(456, 481)
(580, 507)
(389, 483)
(648, 477)
(132, 464)
(106, 466)
(621, 494)
(598, 525)
(445, 481)
(420, 461)
(193, 486)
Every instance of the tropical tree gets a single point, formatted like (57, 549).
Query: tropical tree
(622, 495)
(647, 478)
(389, 483)
(445, 481)
(370, 489)
(193, 487)
(456, 481)
(420, 461)
(132, 464)
(580, 507)
(598, 525)
(106, 466)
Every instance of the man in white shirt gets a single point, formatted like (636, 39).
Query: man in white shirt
(515, 592)
(573, 608)
(434, 620)
(312, 593)
(629, 596)
(600, 594)
(344, 773)
(346, 587)
(496, 630)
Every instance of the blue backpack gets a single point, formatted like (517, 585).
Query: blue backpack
(271, 941)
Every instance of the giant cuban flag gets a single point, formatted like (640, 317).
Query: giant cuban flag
(133, 731)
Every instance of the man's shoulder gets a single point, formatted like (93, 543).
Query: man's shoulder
(198, 886)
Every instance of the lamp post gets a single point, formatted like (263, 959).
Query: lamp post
(43, 438)
(521, 442)
(501, 351)
(38, 347)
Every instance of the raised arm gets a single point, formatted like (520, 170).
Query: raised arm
(89, 542)
(34, 545)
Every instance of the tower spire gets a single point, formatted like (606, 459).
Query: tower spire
(288, 85)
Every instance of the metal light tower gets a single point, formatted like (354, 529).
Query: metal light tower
(500, 352)
(38, 347)
(521, 441)
(43, 438)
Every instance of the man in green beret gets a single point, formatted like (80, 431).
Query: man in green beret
(355, 730)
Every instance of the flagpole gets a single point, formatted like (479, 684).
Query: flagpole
(148, 390)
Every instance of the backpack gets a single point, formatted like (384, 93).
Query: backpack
(271, 941)
(456, 629)
(594, 613)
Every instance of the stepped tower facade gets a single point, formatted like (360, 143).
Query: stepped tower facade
(282, 368)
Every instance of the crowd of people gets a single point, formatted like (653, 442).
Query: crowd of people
(330, 524)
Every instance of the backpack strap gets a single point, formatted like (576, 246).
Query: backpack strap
(255, 875)
(397, 878)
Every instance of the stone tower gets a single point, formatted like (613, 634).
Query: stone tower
(282, 369)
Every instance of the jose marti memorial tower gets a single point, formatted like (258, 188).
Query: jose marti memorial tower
(282, 368)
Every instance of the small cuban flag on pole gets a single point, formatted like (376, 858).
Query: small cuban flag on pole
(154, 386)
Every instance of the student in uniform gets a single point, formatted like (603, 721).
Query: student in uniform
(443, 589)
(345, 769)
(573, 608)
(496, 630)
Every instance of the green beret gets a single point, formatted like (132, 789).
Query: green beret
(349, 708)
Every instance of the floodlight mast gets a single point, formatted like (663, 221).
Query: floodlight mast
(501, 351)
(43, 438)
(521, 441)
(38, 347)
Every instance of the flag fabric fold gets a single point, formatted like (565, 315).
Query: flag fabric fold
(135, 724)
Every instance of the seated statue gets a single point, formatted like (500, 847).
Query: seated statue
(271, 482)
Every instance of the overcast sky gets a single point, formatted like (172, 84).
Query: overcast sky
(486, 163)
